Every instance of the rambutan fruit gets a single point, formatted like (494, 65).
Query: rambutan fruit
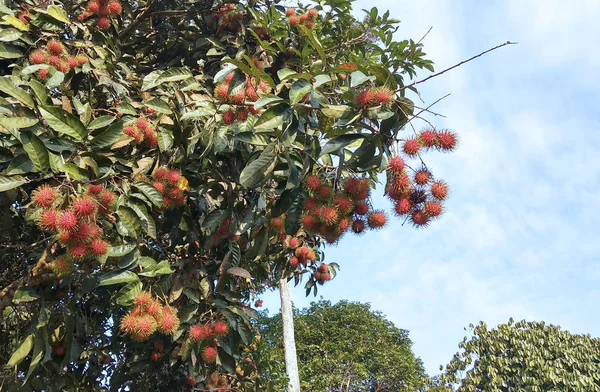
(155, 356)
(196, 332)
(294, 261)
(130, 131)
(221, 328)
(309, 24)
(160, 187)
(229, 117)
(294, 242)
(446, 140)
(324, 192)
(433, 209)
(358, 226)
(55, 47)
(343, 225)
(417, 196)
(84, 233)
(175, 193)
(72, 61)
(344, 205)
(276, 224)
(310, 204)
(104, 11)
(54, 61)
(67, 221)
(160, 174)
(229, 77)
(222, 91)
(364, 99)
(312, 13)
(191, 381)
(252, 94)
(141, 123)
(98, 248)
(84, 206)
(361, 208)
(290, 12)
(38, 56)
(329, 216)
(403, 206)
(400, 182)
(42, 74)
(143, 299)
(93, 7)
(115, 7)
(428, 138)
(396, 165)
(107, 198)
(419, 218)
(169, 322)
(209, 354)
(63, 66)
(376, 220)
(309, 222)
(362, 190)
(145, 326)
(103, 22)
(411, 147)
(78, 251)
(302, 252)
(44, 196)
(159, 347)
(128, 324)
(62, 266)
(151, 137)
(422, 177)
(65, 238)
(312, 183)
(94, 189)
(439, 190)
(48, 220)
(383, 96)
(294, 21)
(303, 18)
(241, 114)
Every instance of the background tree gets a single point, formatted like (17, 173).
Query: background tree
(348, 347)
(525, 356)
(162, 162)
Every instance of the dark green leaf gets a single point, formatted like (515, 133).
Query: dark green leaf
(64, 122)
(258, 169)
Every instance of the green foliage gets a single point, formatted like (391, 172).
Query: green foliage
(349, 347)
(525, 356)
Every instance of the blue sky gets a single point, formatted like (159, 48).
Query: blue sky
(520, 234)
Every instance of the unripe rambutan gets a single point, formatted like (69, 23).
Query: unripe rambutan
(169, 322)
(55, 47)
(241, 114)
(209, 354)
(422, 177)
(42, 74)
(411, 147)
(228, 117)
(72, 62)
(290, 12)
(439, 190)
(403, 206)
(160, 174)
(220, 328)
(44, 196)
(446, 140)
(99, 248)
(54, 61)
(294, 261)
(222, 91)
(94, 189)
(145, 326)
(78, 252)
(48, 220)
(93, 7)
(358, 226)
(329, 216)
(128, 324)
(376, 220)
(419, 218)
(85, 206)
(396, 165)
(364, 99)
(361, 208)
(428, 138)
(62, 266)
(38, 57)
(67, 221)
(114, 7)
(312, 183)
(433, 209)
(103, 23)
(81, 59)
(383, 96)
(312, 13)
(143, 299)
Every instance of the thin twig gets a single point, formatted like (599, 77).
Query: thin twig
(139, 19)
(454, 66)
(427, 108)
(423, 37)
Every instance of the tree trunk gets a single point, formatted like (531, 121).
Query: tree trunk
(289, 343)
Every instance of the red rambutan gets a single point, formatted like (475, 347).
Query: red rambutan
(376, 220)
(439, 190)
(294, 21)
(294, 242)
(155, 356)
(114, 7)
(63, 66)
(143, 299)
(42, 74)
(169, 322)
(145, 326)
(329, 216)
(209, 354)
(343, 225)
(396, 165)
(303, 18)
(107, 199)
(78, 252)
(93, 7)
(419, 218)
(422, 177)
(67, 221)
(38, 57)
(383, 96)
(313, 182)
(229, 117)
(312, 13)
(222, 92)
(433, 209)
(411, 147)
(161, 174)
(446, 140)
(309, 222)
(65, 238)
(81, 59)
(142, 123)
(44, 196)
(94, 189)
(309, 24)
(310, 204)
(290, 12)
(220, 328)
(85, 206)
(103, 22)
(98, 248)
(324, 192)
(428, 138)
(344, 205)
(128, 323)
(358, 226)
(72, 61)
(55, 47)
(54, 61)
(403, 206)
(294, 261)
(276, 224)
(241, 114)
(364, 99)
(48, 220)
(151, 137)
(361, 208)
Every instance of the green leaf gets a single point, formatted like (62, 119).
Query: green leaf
(151, 193)
(18, 122)
(58, 13)
(174, 75)
(357, 78)
(292, 219)
(121, 250)
(299, 89)
(40, 92)
(21, 353)
(128, 223)
(128, 293)
(314, 41)
(263, 101)
(101, 122)
(165, 140)
(336, 111)
(38, 353)
(9, 35)
(21, 164)
(260, 168)
(25, 294)
(108, 137)
(151, 80)
(7, 87)
(321, 79)
(283, 73)
(74, 172)
(64, 122)
(33, 69)
(273, 117)
(8, 183)
(148, 223)
(339, 142)
(159, 105)
(117, 277)
(126, 108)
(36, 150)
(8, 51)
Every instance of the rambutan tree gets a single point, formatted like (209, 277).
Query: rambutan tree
(164, 162)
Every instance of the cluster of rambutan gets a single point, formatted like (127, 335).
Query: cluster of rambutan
(322, 274)
(420, 198)
(216, 383)
(103, 9)
(206, 334)
(249, 93)
(227, 18)
(373, 97)
(331, 213)
(428, 139)
(75, 226)
(140, 131)
(169, 184)
(158, 352)
(306, 19)
(147, 317)
(56, 55)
